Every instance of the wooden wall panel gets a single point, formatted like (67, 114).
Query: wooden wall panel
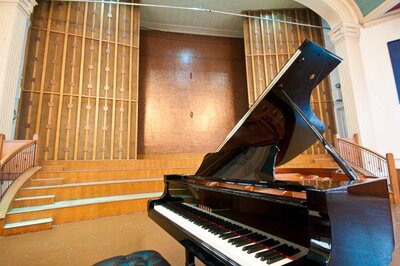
(270, 44)
(80, 81)
(192, 91)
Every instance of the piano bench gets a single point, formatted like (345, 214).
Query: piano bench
(138, 258)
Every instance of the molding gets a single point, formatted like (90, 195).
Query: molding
(26, 6)
(356, 9)
(344, 30)
(380, 11)
(334, 12)
(388, 17)
(191, 30)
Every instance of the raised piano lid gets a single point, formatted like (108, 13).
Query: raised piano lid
(272, 133)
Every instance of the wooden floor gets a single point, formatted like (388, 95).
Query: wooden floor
(87, 242)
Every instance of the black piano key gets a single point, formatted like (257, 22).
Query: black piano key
(239, 240)
(244, 242)
(233, 240)
(292, 251)
(287, 250)
(250, 236)
(275, 258)
(230, 235)
(273, 253)
(220, 231)
(216, 231)
(270, 255)
(235, 234)
(271, 242)
(229, 231)
(270, 251)
(255, 248)
(263, 253)
(210, 227)
(258, 238)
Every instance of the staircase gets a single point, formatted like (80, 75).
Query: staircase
(71, 191)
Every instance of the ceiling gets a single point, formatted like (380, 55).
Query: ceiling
(205, 23)
(367, 6)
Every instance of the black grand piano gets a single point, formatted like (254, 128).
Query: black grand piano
(236, 210)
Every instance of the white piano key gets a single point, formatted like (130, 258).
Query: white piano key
(223, 246)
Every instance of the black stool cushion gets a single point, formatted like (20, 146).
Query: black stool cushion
(138, 258)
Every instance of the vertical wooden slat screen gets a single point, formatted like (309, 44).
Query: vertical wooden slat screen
(80, 87)
(270, 44)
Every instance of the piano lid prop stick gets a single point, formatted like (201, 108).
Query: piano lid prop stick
(338, 159)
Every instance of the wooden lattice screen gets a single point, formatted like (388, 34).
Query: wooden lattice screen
(269, 45)
(80, 84)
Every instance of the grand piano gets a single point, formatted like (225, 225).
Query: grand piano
(237, 210)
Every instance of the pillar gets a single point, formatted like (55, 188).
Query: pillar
(14, 25)
(345, 37)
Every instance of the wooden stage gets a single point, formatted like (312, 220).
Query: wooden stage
(87, 242)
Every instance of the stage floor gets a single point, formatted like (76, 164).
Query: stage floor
(85, 243)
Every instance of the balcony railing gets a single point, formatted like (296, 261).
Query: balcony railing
(20, 157)
(374, 163)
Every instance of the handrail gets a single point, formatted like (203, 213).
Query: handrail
(373, 162)
(11, 155)
(341, 140)
(17, 162)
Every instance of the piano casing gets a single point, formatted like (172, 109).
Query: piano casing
(330, 220)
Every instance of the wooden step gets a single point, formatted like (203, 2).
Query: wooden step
(171, 156)
(324, 159)
(28, 226)
(83, 209)
(52, 168)
(46, 181)
(73, 191)
(33, 201)
(72, 176)
(146, 163)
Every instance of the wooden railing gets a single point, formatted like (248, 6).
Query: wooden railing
(20, 156)
(374, 163)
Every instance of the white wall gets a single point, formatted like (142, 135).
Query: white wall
(382, 92)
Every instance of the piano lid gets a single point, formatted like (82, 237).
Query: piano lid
(272, 132)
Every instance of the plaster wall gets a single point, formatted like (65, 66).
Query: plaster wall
(381, 88)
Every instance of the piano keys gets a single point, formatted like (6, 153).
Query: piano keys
(236, 210)
(243, 244)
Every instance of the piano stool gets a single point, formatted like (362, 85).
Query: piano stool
(137, 258)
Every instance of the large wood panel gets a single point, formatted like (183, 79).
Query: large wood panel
(192, 91)
(80, 81)
(270, 44)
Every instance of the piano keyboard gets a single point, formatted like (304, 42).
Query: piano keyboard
(242, 244)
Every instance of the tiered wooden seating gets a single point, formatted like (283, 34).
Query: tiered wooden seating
(71, 191)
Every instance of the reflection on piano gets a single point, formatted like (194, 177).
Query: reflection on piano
(237, 211)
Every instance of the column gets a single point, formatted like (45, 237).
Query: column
(14, 25)
(345, 38)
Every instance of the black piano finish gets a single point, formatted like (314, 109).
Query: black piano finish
(349, 224)
(272, 133)
(339, 222)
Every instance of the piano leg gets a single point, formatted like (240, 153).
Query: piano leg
(189, 258)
